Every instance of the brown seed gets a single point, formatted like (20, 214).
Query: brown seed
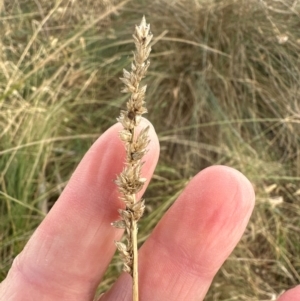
(131, 115)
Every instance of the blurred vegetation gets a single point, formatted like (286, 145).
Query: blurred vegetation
(223, 88)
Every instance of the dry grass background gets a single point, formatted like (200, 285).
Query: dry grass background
(223, 89)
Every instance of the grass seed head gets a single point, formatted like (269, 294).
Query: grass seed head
(130, 181)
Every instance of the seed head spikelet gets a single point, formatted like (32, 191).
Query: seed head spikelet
(130, 181)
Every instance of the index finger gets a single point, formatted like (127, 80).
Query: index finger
(70, 251)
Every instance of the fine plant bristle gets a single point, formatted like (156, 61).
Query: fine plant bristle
(130, 181)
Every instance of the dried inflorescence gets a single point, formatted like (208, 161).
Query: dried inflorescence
(130, 181)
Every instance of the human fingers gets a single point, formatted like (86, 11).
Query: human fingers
(194, 238)
(71, 249)
(291, 295)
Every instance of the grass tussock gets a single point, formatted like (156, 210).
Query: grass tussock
(224, 90)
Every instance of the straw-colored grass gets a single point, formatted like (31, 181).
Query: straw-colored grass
(130, 180)
(224, 90)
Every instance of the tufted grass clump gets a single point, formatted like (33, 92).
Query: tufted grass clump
(225, 84)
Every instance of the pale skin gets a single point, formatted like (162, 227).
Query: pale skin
(68, 254)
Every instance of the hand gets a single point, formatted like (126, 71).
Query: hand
(71, 249)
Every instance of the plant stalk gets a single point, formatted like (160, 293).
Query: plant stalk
(135, 277)
(133, 235)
